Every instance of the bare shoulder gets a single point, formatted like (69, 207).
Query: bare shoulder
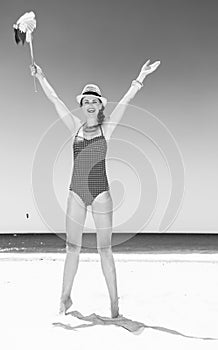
(78, 124)
(73, 123)
(106, 129)
(70, 120)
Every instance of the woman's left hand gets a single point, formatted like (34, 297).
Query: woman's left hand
(148, 68)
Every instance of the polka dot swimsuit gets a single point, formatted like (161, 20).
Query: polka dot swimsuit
(89, 176)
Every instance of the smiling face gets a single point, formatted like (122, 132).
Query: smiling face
(91, 106)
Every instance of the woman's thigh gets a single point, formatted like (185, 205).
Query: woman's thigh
(75, 218)
(102, 211)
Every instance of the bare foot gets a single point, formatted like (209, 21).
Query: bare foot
(65, 305)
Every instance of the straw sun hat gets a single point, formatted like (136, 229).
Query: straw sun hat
(91, 89)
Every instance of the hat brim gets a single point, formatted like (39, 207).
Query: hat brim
(102, 99)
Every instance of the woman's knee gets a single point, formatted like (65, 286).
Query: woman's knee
(104, 250)
(73, 247)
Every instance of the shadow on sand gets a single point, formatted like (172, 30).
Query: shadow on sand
(134, 327)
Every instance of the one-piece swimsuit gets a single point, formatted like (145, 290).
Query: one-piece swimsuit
(89, 177)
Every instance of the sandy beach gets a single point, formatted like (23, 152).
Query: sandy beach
(174, 296)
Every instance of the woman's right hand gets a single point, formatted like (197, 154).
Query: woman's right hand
(36, 70)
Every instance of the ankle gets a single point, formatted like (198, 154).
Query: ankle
(65, 298)
(115, 308)
(115, 301)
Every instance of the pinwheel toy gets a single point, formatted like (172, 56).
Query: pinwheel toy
(23, 29)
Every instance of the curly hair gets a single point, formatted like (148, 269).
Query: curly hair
(101, 116)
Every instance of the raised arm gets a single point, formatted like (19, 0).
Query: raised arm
(136, 85)
(70, 120)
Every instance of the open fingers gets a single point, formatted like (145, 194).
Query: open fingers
(146, 64)
(150, 67)
(155, 64)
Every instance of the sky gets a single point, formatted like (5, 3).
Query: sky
(107, 43)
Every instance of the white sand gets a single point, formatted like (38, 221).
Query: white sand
(175, 292)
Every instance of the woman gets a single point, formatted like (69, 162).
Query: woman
(89, 185)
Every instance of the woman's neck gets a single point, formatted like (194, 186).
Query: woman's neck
(90, 129)
(91, 124)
